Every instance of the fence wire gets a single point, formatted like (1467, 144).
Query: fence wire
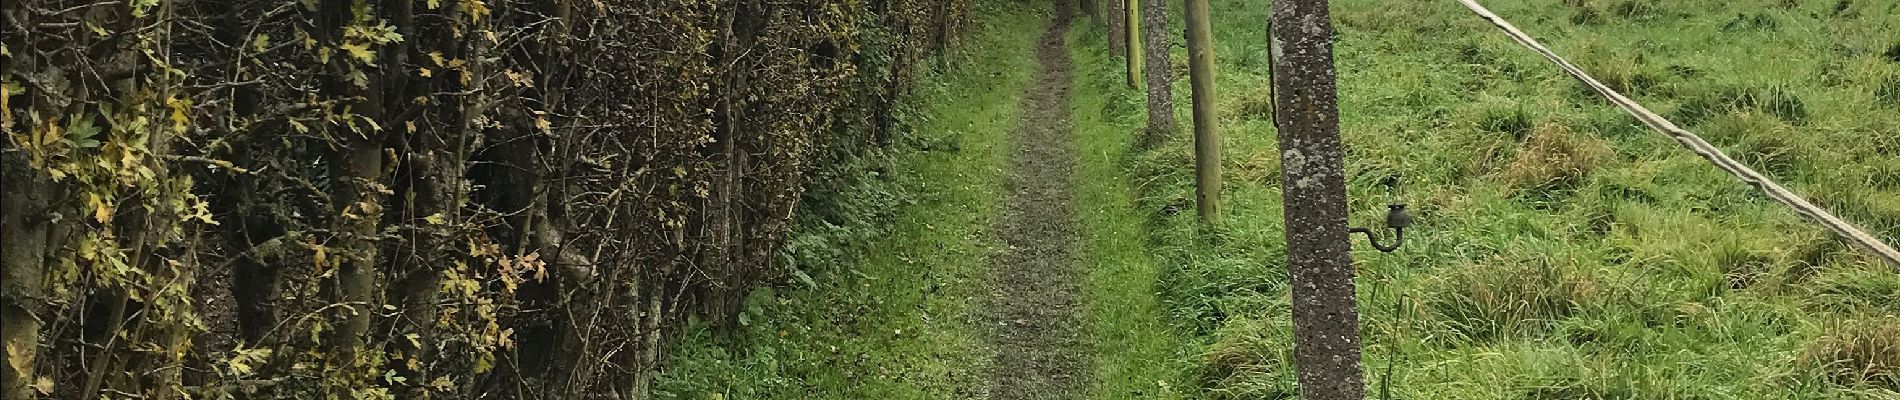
(1702, 148)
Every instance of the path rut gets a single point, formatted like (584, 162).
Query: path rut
(1036, 287)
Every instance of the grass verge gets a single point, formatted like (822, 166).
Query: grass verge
(1137, 351)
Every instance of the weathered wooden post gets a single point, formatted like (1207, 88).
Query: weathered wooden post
(1325, 314)
(1133, 15)
(1200, 37)
(1117, 31)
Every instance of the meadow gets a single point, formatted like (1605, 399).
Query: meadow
(1561, 249)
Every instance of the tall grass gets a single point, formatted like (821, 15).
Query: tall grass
(1561, 250)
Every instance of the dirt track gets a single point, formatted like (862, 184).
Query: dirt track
(1036, 298)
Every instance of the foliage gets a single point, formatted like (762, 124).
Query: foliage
(418, 199)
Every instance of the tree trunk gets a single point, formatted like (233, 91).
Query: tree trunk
(359, 205)
(1206, 141)
(24, 223)
(357, 193)
(1158, 43)
(435, 164)
(1091, 8)
(1325, 316)
(1117, 28)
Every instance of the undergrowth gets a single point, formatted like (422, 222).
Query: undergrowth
(886, 260)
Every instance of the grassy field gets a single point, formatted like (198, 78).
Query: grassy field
(889, 317)
(1563, 251)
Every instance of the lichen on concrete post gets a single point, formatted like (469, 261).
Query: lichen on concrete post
(1325, 315)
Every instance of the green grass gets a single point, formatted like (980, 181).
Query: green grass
(888, 319)
(1137, 352)
(1562, 250)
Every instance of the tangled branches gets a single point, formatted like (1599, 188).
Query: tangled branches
(418, 199)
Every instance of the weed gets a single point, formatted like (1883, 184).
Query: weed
(1638, 10)
(1686, 72)
(1761, 142)
(1514, 121)
(1625, 75)
(1554, 158)
(1586, 15)
(1841, 7)
(1888, 93)
(1883, 173)
(1857, 291)
(1780, 103)
(1575, 389)
(1762, 22)
(1253, 363)
(1256, 103)
(1808, 257)
(1858, 352)
(1507, 298)
(1742, 268)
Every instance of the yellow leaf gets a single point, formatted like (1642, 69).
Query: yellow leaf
(425, 72)
(436, 219)
(541, 122)
(6, 110)
(517, 77)
(100, 210)
(359, 51)
(437, 57)
(19, 357)
(44, 385)
(319, 255)
(260, 43)
(476, 9)
(179, 120)
(49, 133)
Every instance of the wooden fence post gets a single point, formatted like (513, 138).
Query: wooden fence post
(1206, 139)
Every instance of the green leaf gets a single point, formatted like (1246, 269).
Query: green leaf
(804, 278)
(80, 132)
(358, 78)
(139, 7)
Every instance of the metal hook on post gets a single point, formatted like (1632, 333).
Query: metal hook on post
(1395, 218)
